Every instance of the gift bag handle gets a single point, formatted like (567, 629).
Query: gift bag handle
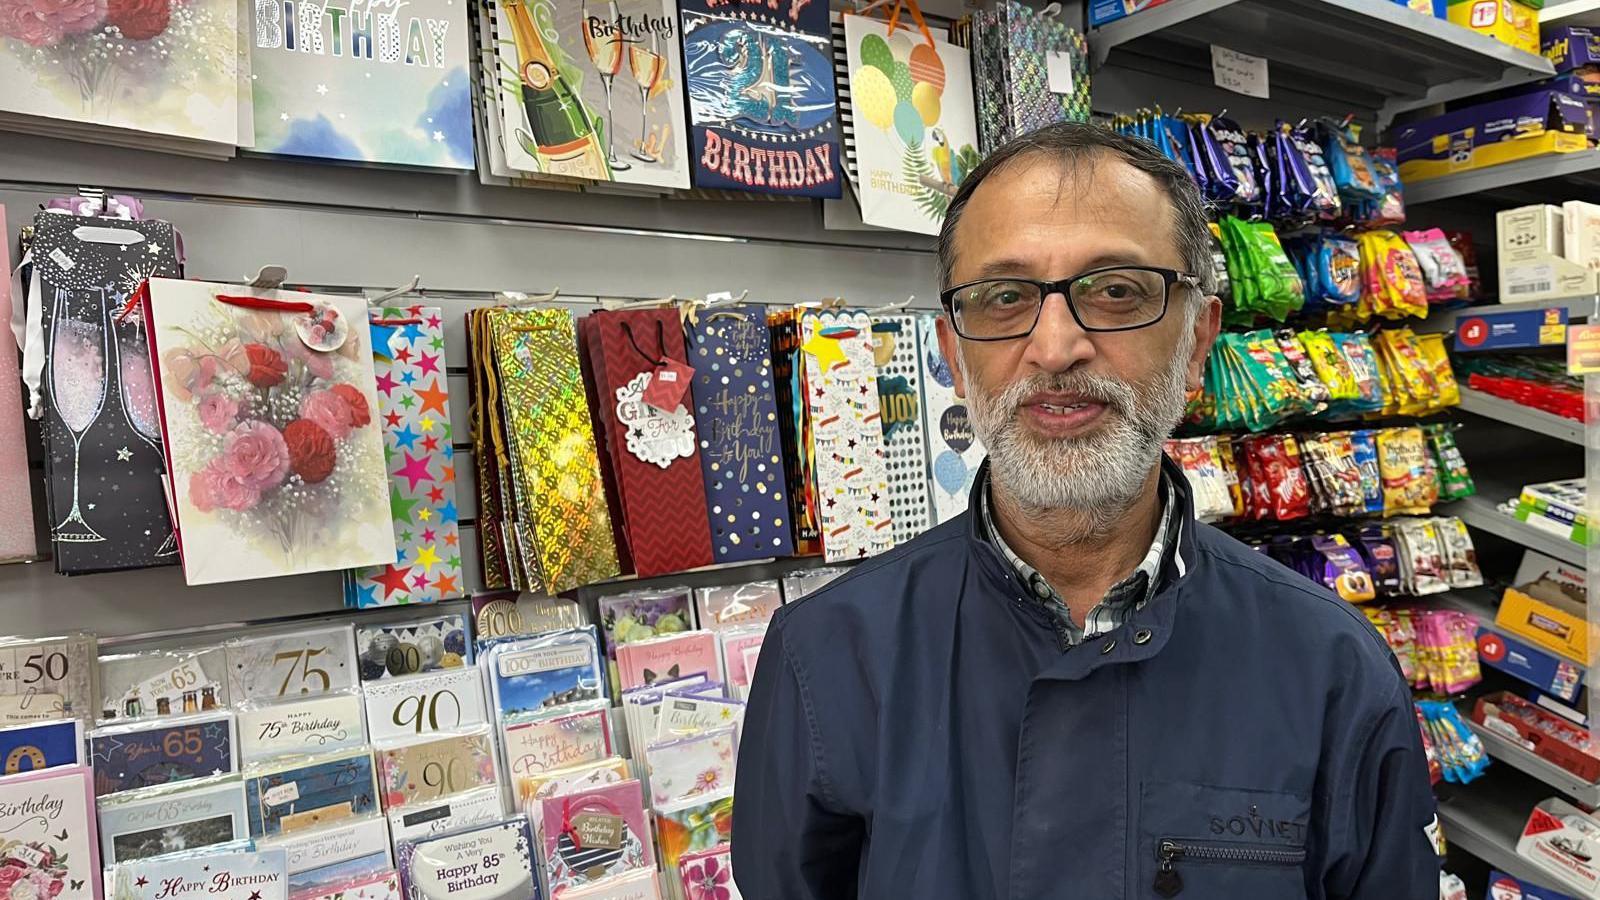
(894, 16)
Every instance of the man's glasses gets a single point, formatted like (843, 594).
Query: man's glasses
(1116, 298)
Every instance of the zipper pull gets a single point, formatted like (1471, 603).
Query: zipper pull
(1168, 882)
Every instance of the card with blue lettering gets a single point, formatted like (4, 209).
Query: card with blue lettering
(160, 820)
(47, 825)
(127, 757)
(246, 875)
(310, 792)
(762, 104)
(538, 674)
(44, 745)
(484, 862)
(736, 410)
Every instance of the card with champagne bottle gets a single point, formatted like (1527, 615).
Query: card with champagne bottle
(591, 89)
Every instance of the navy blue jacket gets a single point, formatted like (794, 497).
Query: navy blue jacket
(915, 730)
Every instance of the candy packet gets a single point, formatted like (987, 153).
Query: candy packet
(1461, 557)
(1406, 465)
(1444, 272)
(1455, 482)
(1364, 448)
(1343, 570)
(1421, 557)
(1383, 560)
(1447, 392)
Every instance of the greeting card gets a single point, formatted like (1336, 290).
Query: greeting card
(592, 89)
(414, 413)
(644, 614)
(321, 858)
(292, 664)
(701, 765)
(320, 724)
(595, 834)
(761, 97)
(41, 745)
(162, 69)
(741, 647)
(486, 862)
(160, 820)
(556, 742)
(102, 433)
(309, 792)
(163, 683)
(841, 390)
(47, 835)
(406, 648)
(436, 768)
(126, 757)
(797, 585)
(533, 675)
(913, 127)
(741, 450)
(641, 386)
(707, 874)
(669, 657)
(721, 607)
(691, 826)
(275, 457)
(423, 820)
(632, 886)
(16, 492)
(518, 614)
(954, 452)
(248, 875)
(449, 700)
(897, 352)
(684, 713)
(47, 678)
(383, 885)
(533, 790)
(369, 82)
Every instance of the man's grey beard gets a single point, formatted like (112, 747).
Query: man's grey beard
(1098, 476)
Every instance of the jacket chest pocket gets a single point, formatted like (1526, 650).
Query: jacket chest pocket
(1199, 842)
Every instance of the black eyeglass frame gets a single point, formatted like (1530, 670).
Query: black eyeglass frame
(1046, 288)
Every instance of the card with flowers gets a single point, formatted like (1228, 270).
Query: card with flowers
(701, 765)
(275, 457)
(693, 825)
(642, 885)
(428, 770)
(47, 835)
(708, 875)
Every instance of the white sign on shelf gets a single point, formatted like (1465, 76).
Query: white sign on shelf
(1239, 72)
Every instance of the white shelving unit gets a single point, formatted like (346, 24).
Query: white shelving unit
(1507, 751)
(1486, 818)
(1483, 512)
(1512, 413)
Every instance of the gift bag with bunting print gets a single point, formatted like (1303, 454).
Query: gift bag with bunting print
(414, 413)
(897, 351)
(741, 452)
(642, 386)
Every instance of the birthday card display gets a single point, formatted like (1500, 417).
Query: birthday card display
(954, 452)
(414, 413)
(107, 71)
(375, 81)
(741, 451)
(762, 104)
(102, 433)
(590, 89)
(276, 460)
(841, 396)
(548, 527)
(912, 126)
(897, 351)
(17, 541)
(493, 861)
(47, 835)
(641, 391)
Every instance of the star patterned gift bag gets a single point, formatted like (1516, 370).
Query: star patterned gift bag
(414, 413)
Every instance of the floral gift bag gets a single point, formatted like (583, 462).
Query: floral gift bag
(275, 462)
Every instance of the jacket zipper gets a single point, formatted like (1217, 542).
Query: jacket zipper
(1169, 883)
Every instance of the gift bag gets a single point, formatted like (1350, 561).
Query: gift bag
(275, 453)
(414, 413)
(897, 352)
(954, 452)
(17, 540)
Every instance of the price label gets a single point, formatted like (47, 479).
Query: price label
(292, 666)
(1239, 72)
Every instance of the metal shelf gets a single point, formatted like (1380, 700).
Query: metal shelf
(1374, 54)
(1513, 413)
(1578, 175)
(1485, 819)
(1579, 307)
(1507, 751)
(1482, 512)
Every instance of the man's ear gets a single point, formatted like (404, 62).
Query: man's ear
(1207, 323)
(947, 346)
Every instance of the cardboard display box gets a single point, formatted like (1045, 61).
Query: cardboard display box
(1491, 133)
(1544, 614)
(1507, 21)
(1559, 838)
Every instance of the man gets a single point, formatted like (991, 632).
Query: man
(1075, 690)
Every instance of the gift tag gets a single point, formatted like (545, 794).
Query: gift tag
(667, 386)
(654, 436)
(323, 329)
